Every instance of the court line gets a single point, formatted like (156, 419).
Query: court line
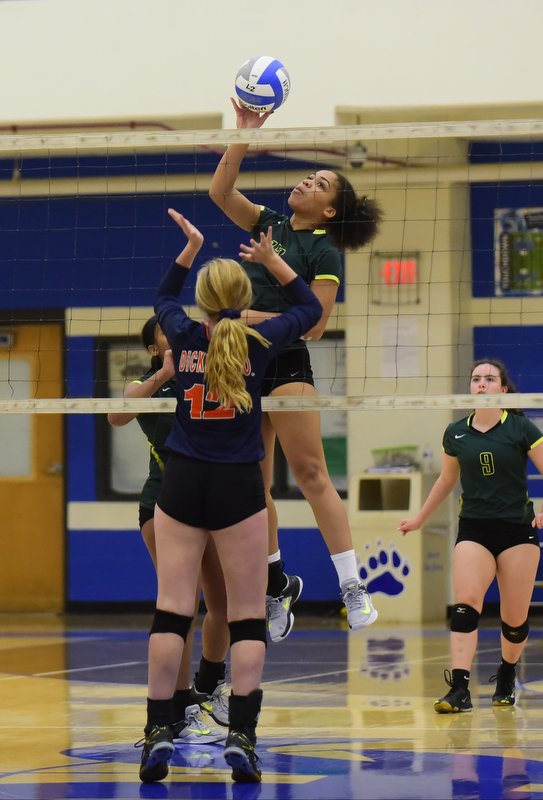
(75, 670)
(87, 669)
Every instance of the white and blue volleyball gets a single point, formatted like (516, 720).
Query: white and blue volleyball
(262, 84)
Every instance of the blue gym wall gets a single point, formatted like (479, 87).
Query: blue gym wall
(100, 251)
(87, 251)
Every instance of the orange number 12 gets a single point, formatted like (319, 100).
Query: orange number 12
(195, 395)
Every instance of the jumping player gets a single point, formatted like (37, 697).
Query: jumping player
(327, 218)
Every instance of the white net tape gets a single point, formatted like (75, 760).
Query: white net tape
(100, 405)
(161, 141)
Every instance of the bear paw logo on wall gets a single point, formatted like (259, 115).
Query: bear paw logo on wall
(385, 571)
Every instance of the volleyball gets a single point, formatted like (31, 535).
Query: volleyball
(262, 84)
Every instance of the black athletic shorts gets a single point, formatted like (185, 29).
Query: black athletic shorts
(496, 535)
(289, 366)
(145, 515)
(205, 494)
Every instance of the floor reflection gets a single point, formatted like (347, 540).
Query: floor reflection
(345, 716)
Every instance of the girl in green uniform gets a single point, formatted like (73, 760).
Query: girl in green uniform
(209, 688)
(497, 532)
(327, 218)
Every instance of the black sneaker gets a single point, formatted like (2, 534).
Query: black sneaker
(239, 753)
(158, 748)
(505, 687)
(280, 618)
(458, 699)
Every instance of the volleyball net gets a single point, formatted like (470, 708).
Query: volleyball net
(455, 273)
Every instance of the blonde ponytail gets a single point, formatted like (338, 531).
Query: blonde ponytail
(223, 286)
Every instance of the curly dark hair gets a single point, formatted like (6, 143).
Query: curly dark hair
(504, 376)
(356, 220)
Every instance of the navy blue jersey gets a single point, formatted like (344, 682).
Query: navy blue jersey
(202, 428)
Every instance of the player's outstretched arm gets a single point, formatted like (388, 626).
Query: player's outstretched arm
(262, 252)
(195, 239)
(144, 389)
(450, 473)
(222, 191)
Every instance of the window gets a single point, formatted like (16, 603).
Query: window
(123, 453)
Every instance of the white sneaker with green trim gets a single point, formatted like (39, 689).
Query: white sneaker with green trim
(360, 610)
(280, 618)
(194, 730)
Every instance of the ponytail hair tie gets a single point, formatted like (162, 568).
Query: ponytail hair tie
(229, 313)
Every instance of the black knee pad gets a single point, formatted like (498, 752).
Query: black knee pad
(515, 635)
(464, 618)
(168, 622)
(248, 630)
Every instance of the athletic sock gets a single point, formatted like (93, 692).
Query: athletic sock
(346, 568)
(244, 711)
(276, 576)
(506, 667)
(460, 678)
(209, 675)
(180, 702)
(159, 712)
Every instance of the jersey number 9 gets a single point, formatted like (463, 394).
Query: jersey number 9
(487, 463)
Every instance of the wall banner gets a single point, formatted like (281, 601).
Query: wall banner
(518, 251)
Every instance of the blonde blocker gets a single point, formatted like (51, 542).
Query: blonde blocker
(223, 284)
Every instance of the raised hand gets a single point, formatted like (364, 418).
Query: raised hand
(191, 231)
(245, 118)
(261, 251)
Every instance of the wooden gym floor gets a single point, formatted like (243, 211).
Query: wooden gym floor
(345, 716)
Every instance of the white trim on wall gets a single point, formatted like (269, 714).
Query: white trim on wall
(120, 516)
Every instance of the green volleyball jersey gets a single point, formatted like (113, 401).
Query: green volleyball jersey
(157, 427)
(493, 467)
(310, 253)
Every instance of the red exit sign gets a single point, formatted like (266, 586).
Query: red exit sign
(399, 271)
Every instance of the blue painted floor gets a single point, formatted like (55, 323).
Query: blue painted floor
(345, 716)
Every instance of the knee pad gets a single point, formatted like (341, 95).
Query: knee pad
(464, 618)
(248, 630)
(515, 635)
(168, 622)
